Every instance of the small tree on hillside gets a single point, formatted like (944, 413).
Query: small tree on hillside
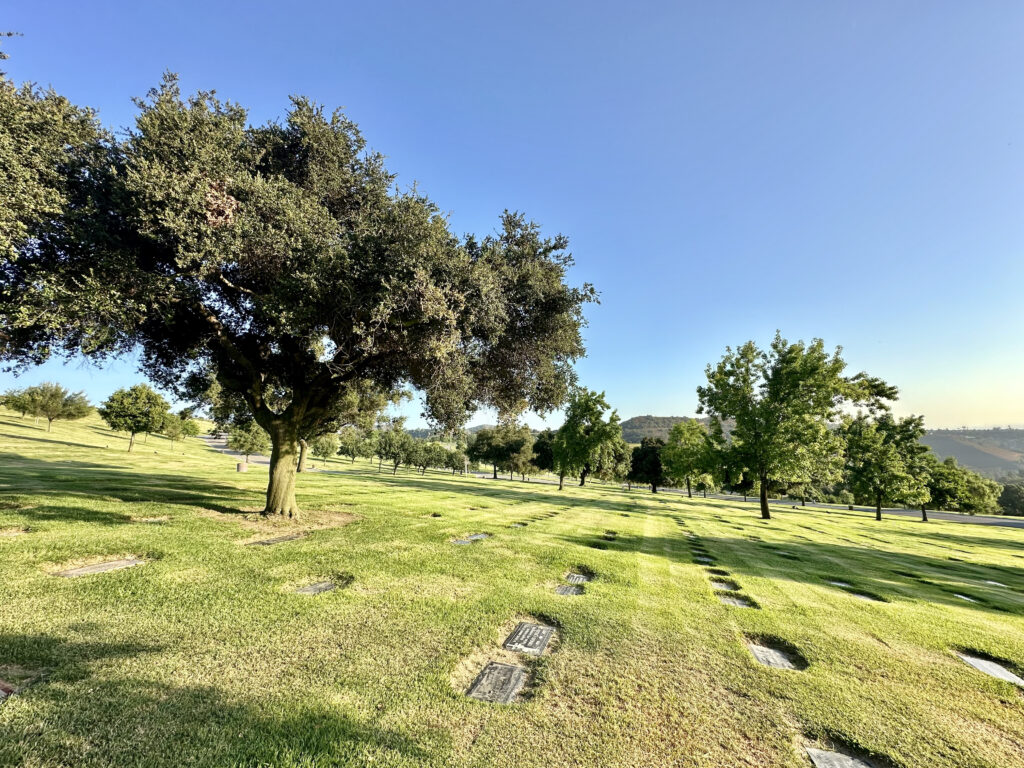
(248, 439)
(881, 458)
(487, 447)
(18, 400)
(135, 410)
(324, 446)
(395, 445)
(173, 428)
(543, 450)
(579, 441)
(351, 443)
(646, 467)
(52, 401)
(1011, 500)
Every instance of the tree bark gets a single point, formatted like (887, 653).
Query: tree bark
(765, 513)
(654, 487)
(303, 447)
(49, 425)
(494, 468)
(689, 495)
(283, 465)
(705, 493)
(924, 514)
(561, 480)
(878, 507)
(583, 477)
(131, 442)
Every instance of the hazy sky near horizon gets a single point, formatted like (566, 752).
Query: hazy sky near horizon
(846, 170)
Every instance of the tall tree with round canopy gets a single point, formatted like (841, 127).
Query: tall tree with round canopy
(281, 261)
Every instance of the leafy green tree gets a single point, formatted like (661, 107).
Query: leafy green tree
(981, 496)
(780, 400)
(45, 144)
(881, 459)
(456, 460)
(136, 410)
(686, 455)
(18, 400)
(52, 401)
(173, 428)
(487, 447)
(324, 446)
(1011, 500)
(352, 442)
(280, 261)
(579, 441)
(394, 445)
(248, 439)
(189, 427)
(818, 465)
(645, 466)
(614, 460)
(543, 450)
(945, 482)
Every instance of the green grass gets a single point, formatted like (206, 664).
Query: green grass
(204, 656)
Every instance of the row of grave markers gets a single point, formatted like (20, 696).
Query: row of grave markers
(727, 591)
(501, 683)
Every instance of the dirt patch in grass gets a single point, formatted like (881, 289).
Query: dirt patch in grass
(252, 518)
(469, 667)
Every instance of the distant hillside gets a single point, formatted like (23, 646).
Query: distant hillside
(992, 452)
(637, 428)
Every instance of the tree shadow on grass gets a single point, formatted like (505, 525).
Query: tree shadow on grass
(876, 572)
(73, 717)
(38, 480)
(525, 493)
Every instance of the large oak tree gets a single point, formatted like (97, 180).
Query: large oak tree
(282, 262)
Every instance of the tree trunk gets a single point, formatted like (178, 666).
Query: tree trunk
(924, 514)
(131, 442)
(705, 493)
(878, 507)
(561, 480)
(654, 487)
(283, 463)
(380, 463)
(494, 468)
(510, 477)
(353, 459)
(303, 447)
(689, 495)
(49, 425)
(395, 470)
(803, 500)
(145, 439)
(765, 514)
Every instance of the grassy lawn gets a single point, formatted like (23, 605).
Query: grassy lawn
(206, 656)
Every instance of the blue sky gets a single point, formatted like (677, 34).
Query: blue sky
(849, 170)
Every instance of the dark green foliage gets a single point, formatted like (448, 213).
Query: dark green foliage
(646, 467)
(884, 460)
(135, 410)
(543, 450)
(248, 439)
(1011, 500)
(280, 262)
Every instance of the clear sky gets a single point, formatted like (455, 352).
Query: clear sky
(850, 170)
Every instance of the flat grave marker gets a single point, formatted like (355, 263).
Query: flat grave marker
(276, 540)
(477, 536)
(498, 683)
(770, 657)
(824, 759)
(317, 588)
(518, 525)
(722, 585)
(578, 578)
(704, 560)
(529, 638)
(568, 589)
(964, 597)
(995, 583)
(843, 584)
(738, 601)
(993, 668)
(110, 565)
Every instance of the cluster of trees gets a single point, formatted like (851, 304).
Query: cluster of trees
(780, 422)
(139, 410)
(48, 401)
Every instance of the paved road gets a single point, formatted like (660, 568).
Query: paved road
(221, 444)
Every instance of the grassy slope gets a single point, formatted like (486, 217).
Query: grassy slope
(204, 656)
